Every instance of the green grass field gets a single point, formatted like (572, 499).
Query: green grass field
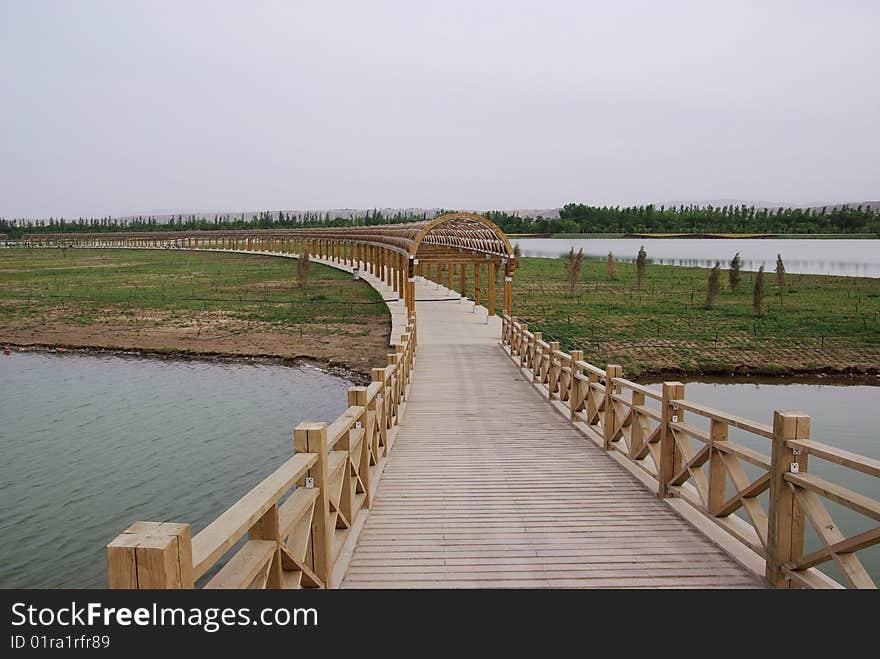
(89, 282)
(820, 322)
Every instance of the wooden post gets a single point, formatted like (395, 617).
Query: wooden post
(410, 285)
(382, 408)
(534, 357)
(402, 278)
(610, 422)
(785, 518)
(312, 438)
(268, 528)
(522, 345)
(462, 277)
(670, 456)
(151, 555)
(576, 400)
(636, 430)
(491, 277)
(717, 472)
(394, 388)
(477, 296)
(552, 372)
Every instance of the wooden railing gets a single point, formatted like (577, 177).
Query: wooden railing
(684, 449)
(296, 520)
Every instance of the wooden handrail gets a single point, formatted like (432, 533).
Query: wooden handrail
(216, 538)
(632, 386)
(693, 463)
(760, 429)
(648, 429)
(837, 493)
(330, 481)
(839, 456)
(591, 369)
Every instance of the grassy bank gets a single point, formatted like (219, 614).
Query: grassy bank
(821, 323)
(202, 303)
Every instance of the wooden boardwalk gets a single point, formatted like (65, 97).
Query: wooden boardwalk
(488, 486)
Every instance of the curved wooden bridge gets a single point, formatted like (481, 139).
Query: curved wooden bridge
(484, 456)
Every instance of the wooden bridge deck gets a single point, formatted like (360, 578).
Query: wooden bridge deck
(489, 486)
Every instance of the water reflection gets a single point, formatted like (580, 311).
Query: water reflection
(854, 258)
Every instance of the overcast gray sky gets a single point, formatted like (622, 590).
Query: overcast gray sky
(137, 107)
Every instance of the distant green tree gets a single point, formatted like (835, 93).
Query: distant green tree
(573, 265)
(780, 275)
(733, 275)
(641, 267)
(714, 285)
(758, 293)
(611, 267)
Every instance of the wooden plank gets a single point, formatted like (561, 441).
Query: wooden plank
(748, 425)
(292, 510)
(734, 503)
(586, 366)
(812, 579)
(645, 391)
(342, 424)
(831, 536)
(751, 505)
(244, 567)
(845, 497)
(847, 546)
(745, 453)
(219, 536)
(518, 497)
(839, 456)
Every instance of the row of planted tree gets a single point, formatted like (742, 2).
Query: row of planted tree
(574, 264)
(572, 218)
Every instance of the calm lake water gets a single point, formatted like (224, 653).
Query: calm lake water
(841, 415)
(855, 258)
(92, 444)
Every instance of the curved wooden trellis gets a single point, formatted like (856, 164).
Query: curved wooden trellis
(396, 252)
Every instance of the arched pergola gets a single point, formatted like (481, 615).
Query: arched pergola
(451, 249)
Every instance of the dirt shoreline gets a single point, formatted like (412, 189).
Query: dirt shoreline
(742, 374)
(327, 366)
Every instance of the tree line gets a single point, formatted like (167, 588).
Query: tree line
(193, 222)
(573, 218)
(582, 218)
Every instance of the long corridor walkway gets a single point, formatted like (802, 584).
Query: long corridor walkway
(488, 486)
